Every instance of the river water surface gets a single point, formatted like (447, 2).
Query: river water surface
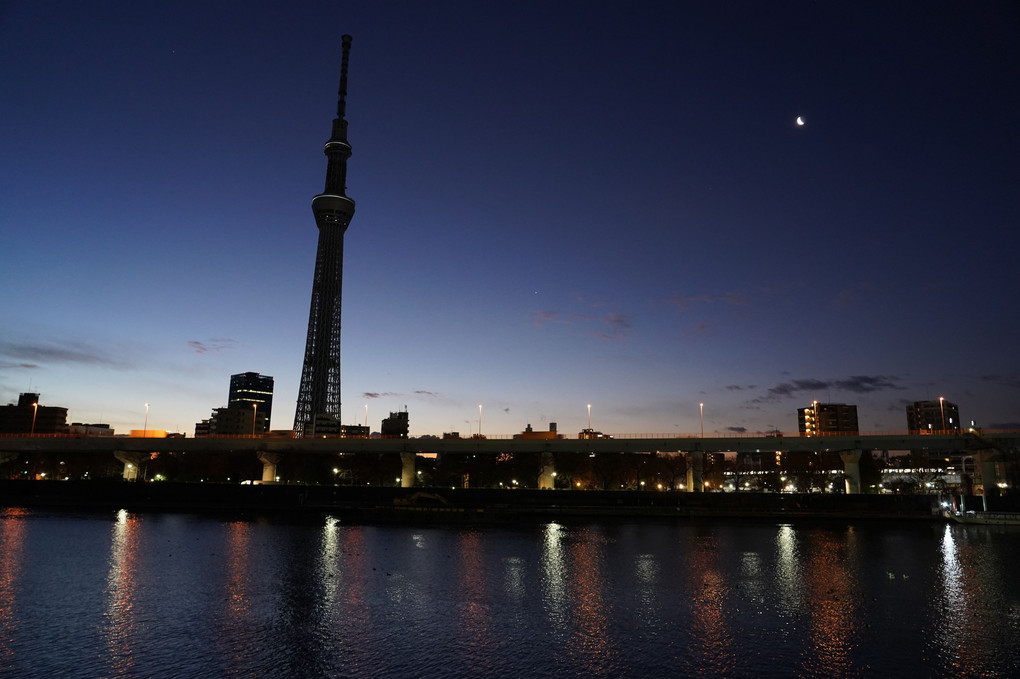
(177, 595)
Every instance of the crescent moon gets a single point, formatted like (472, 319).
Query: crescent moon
(800, 121)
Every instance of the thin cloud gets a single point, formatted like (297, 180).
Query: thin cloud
(5, 365)
(1004, 380)
(856, 384)
(379, 394)
(737, 430)
(685, 301)
(211, 346)
(615, 326)
(32, 355)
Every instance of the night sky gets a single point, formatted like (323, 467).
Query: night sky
(558, 204)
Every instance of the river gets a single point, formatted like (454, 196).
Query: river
(116, 594)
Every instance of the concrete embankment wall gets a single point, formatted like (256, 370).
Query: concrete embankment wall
(362, 503)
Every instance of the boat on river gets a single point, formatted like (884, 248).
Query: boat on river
(987, 518)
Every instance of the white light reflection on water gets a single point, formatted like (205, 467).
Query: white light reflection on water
(121, 628)
(554, 576)
(788, 577)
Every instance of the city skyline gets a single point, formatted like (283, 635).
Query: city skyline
(556, 207)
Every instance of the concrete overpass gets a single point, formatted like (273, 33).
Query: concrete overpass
(985, 446)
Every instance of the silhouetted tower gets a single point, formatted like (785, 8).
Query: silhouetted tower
(318, 404)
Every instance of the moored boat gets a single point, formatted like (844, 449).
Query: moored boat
(987, 518)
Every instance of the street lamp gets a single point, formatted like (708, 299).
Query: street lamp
(366, 416)
(145, 427)
(943, 410)
(35, 410)
(479, 419)
(702, 407)
(254, 417)
(589, 418)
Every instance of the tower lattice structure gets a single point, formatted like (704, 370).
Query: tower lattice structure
(318, 404)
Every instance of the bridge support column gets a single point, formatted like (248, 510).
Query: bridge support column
(269, 462)
(696, 472)
(407, 461)
(547, 472)
(852, 470)
(989, 485)
(132, 463)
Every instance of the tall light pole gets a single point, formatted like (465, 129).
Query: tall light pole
(35, 410)
(701, 406)
(366, 416)
(254, 417)
(589, 418)
(942, 408)
(479, 420)
(145, 427)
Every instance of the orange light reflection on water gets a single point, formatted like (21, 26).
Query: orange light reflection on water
(711, 638)
(832, 588)
(12, 538)
(592, 647)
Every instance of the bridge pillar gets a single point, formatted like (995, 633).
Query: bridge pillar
(132, 463)
(696, 472)
(989, 487)
(852, 470)
(407, 461)
(269, 462)
(547, 472)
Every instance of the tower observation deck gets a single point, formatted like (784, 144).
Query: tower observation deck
(318, 403)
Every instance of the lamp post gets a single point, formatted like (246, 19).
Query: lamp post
(479, 420)
(589, 418)
(942, 409)
(145, 427)
(702, 407)
(254, 417)
(35, 411)
(366, 416)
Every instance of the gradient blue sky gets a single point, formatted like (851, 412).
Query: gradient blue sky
(557, 204)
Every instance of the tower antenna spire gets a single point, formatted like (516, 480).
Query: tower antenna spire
(341, 103)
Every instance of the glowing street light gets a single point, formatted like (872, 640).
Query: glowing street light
(35, 410)
(702, 407)
(943, 410)
(254, 417)
(479, 419)
(366, 415)
(589, 418)
(145, 427)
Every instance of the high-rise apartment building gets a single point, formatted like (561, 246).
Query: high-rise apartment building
(930, 417)
(827, 418)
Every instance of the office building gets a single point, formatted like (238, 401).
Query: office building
(252, 391)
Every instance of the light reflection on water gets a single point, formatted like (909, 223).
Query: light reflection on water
(187, 596)
(121, 628)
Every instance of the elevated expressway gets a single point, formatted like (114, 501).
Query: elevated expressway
(985, 446)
